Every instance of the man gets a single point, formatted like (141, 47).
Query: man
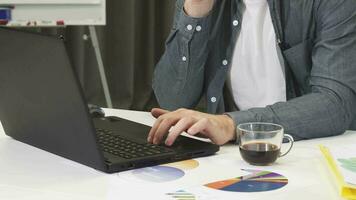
(289, 62)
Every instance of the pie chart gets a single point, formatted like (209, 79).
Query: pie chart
(349, 164)
(184, 165)
(158, 174)
(164, 173)
(256, 181)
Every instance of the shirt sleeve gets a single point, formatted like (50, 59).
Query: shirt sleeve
(182, 64)
(331, 106)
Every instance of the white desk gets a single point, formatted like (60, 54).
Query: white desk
(29, 173)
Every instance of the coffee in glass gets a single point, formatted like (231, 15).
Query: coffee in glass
(260, 143)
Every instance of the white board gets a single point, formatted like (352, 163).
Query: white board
(78, 12)
(14, 2)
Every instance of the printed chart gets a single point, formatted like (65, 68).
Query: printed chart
(257, 181)
(349, 164)
(184, 165)
(158, 174)
(182, 195)
(345, 159)
(162, 173)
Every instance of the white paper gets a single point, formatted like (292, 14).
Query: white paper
(345, 158)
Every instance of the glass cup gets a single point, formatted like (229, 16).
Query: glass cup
(260, 143)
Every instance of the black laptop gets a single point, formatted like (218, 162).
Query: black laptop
(42, 104)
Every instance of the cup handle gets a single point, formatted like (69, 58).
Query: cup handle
(291, 141)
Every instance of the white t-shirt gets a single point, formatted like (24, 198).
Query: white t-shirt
(257, 77)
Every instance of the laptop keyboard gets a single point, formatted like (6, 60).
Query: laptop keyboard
(125, 148)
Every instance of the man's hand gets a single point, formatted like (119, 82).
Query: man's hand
(218, 128)
(198, 8)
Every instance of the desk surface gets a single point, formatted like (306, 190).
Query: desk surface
(30, 173)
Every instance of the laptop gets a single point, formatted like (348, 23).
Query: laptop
(42, 104)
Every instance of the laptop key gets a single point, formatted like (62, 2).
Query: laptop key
(125, 148)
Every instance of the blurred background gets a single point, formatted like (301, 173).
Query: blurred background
(132, 42)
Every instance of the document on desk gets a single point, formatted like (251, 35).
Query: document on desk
(342, 162)
(211, 178)
(160, 181)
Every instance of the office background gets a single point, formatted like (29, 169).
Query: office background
(132, 42)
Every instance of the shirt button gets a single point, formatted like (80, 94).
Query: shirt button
(184, 58)
(225, 62)
(198, 28)
(213, 99)
(189, 27)
(235, 23)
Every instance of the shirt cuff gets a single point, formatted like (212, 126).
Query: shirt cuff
(190, 26)
(241, 117)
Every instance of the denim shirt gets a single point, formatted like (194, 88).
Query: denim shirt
(316, 43)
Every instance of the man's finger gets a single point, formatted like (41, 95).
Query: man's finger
(202, 126)
(156, 112)
(182, 125)
(163, 114)
(163, 129)
(153, 130)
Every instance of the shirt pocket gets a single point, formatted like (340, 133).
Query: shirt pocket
(299, 60)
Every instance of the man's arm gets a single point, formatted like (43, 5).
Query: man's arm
(330, 108)
(179, 75)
